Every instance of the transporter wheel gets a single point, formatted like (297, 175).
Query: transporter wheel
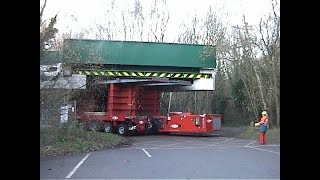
(153, 130)
(107, 127)
(123, 129)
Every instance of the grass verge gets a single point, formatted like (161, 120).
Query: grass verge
(272, 135)
(66, 141)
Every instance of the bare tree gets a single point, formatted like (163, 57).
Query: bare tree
(109, 29)
(269, 44)
(158, 18)
(47, 31)
(250, 61)
(135, 21)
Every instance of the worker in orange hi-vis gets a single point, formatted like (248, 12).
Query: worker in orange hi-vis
(263, 127)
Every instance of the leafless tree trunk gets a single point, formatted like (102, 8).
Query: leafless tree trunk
(42, 10)
(124, 26)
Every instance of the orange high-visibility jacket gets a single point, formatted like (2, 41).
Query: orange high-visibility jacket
(264, 120)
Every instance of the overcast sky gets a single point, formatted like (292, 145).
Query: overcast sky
(78, 14)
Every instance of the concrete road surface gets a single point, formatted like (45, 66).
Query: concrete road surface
(171, 157)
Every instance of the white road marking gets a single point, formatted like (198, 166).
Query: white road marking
(175, 148)
(147, 153)
(218, 142)
(77, 166)
(187, 147)
(173, 144)
(215, 147)
(263, 150)
(242, 140)
(250, 143)
(267, 145)
(209, 138)
(199, 147)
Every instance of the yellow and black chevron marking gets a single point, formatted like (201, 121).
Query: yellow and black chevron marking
(143, 74)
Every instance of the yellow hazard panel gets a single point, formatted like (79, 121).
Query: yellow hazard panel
(125, 73)
(79, 72)
(143, 74)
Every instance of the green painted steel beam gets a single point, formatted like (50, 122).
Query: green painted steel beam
(138, 53)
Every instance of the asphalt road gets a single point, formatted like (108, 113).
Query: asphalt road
(171, 157)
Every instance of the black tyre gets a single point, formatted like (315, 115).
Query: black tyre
(107, 127)
(152, 128)
(123, 130)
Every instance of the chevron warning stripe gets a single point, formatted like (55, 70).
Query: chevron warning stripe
(143, 74)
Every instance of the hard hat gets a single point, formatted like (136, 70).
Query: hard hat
(264, 113)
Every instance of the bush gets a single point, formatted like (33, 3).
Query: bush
(70, 140)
